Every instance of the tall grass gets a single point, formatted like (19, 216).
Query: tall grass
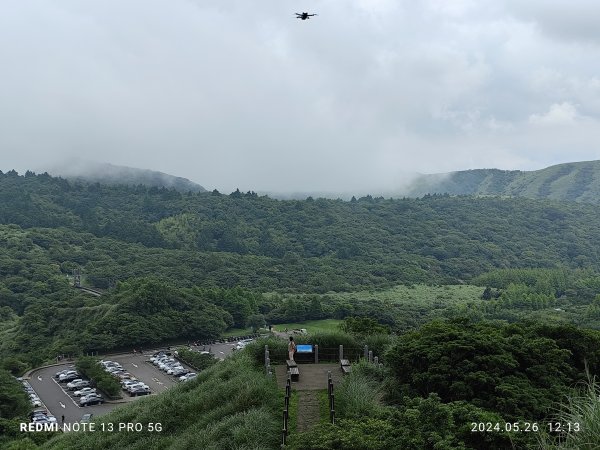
(582, 408)
(357, 396)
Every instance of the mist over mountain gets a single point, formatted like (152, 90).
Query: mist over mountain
(574, 181)
(110, 174)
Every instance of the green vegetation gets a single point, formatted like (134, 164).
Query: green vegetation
(482, 309)
(577, 181)
(13, 400)
(196, 360)
(311, 326)
(234, 332)
(363, 326)
(577, 424)
(91, 368)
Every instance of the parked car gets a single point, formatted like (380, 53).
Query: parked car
(139, 391)
(174, 369)
(77, 384)
(134, 387)
(91, 399)
(188, 376)
(69, 376)
(43, 416)
(84, 391)
(241, 344)
(58, 374)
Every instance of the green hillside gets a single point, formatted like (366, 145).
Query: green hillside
(577, 181)
(117, 175)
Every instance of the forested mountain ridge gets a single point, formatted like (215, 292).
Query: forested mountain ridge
(116, 175)
(327, 243)
(576, 181)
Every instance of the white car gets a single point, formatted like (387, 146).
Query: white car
(74, 383)
(188, 376)
(67, 375)
(136, 387)
(85, 391)
(174, 369)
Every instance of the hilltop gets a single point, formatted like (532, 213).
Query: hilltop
(110, 174)
(575, 181)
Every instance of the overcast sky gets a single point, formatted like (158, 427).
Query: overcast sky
(233, 93)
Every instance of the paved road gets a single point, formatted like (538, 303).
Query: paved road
(138, 366)
(220, 351)
(57, 401)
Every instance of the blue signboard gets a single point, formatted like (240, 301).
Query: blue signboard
(304, 348)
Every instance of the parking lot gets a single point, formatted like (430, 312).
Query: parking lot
(60, 401)
(139, 367)
(55, 398)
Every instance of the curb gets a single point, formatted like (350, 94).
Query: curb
(27, 375)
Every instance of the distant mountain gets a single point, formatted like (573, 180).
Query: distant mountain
(114, 175)
(577, 181)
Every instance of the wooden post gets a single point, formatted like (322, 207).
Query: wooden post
(341, 352)
(376, 361)
(366, 351)
(370, 355)
(316, 353)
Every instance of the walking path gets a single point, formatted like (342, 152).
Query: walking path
(313, 378)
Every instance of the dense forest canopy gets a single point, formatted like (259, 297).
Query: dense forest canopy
(368, 242)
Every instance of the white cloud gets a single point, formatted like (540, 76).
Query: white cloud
(243, 94)
(558, 114)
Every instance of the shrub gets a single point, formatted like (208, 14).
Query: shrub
(196, 360)
(91, 368)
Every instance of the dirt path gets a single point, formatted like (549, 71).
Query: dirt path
(308, 410)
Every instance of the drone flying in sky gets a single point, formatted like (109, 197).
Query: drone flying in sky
(304, 16)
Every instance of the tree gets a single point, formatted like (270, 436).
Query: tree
(363, 326)
(256, 321)
(13, 400)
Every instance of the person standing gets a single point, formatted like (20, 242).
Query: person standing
(291, 348)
